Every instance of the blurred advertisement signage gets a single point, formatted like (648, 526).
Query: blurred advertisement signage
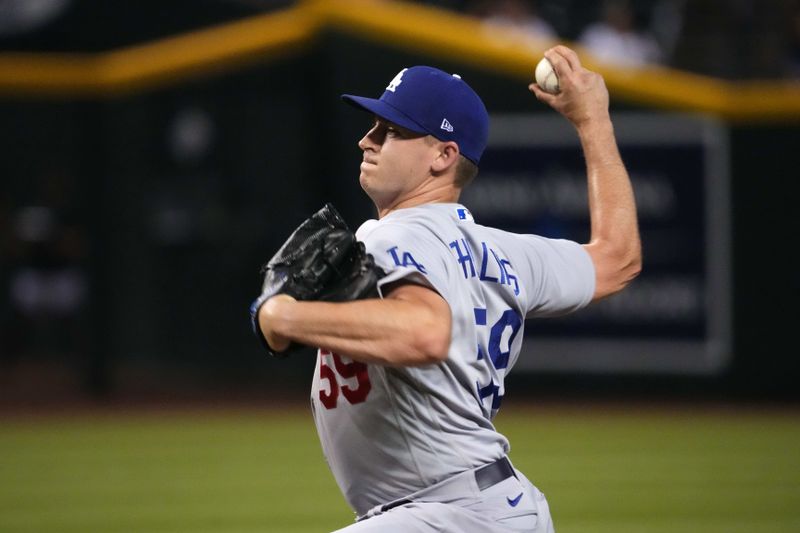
(675, 318)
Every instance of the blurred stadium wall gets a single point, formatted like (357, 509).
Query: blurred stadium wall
(148, 173)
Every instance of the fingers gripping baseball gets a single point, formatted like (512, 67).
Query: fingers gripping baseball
(583, 96)
(566, 58)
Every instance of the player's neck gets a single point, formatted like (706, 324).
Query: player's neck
(440, 195)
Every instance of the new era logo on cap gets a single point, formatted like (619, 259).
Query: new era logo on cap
(430, 101)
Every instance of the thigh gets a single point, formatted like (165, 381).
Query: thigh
(545, 520)
(513, 505)
(423, 517)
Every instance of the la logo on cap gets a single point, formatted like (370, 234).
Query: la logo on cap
(397, 80)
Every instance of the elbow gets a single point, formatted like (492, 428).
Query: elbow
(630, 271)
(629, 262)
(431, 341)
(422, 326)
(437, 348)
(615, 269)
(619, 280)
(630, 266)
(632, 263)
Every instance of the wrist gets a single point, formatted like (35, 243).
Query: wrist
(600, 125)
(271, 320)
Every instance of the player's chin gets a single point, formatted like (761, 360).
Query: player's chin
(369, 186)
(367, 174)
(364, 181)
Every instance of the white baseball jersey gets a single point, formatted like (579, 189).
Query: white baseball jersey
(387, 432)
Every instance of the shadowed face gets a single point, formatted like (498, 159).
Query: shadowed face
(396, 162)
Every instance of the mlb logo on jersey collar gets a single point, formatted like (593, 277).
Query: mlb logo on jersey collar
(463, 214)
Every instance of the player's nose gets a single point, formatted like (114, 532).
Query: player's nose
(366, 143)
(372, 139)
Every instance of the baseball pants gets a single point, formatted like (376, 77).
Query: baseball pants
(458, 505)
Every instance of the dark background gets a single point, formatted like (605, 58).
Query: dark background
(164, 203)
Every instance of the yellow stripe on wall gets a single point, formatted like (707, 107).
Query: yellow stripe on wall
(60, 73)
(150, 64)
(256, 38)
(464, 39)
(429, 31)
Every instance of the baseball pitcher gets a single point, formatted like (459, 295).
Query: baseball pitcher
(420, 314)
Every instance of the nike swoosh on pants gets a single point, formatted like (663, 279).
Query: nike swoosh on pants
(513, 502)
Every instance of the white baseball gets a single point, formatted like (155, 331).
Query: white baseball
(546, 77)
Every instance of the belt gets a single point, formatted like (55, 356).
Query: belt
(485, 476)
(494, 473)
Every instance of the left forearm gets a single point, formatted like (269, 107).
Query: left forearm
(383, 331)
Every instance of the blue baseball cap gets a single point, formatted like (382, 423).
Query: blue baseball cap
(427, 100)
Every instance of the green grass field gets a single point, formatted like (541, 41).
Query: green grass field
(254, 471)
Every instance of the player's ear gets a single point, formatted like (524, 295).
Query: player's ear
(446, 158)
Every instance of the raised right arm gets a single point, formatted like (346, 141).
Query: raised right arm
(614, 246)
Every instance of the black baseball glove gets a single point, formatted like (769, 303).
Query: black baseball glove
(321, 261)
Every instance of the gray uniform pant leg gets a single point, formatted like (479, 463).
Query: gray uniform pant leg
(491, 512)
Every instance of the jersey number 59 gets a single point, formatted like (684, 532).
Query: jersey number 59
(353, 392)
